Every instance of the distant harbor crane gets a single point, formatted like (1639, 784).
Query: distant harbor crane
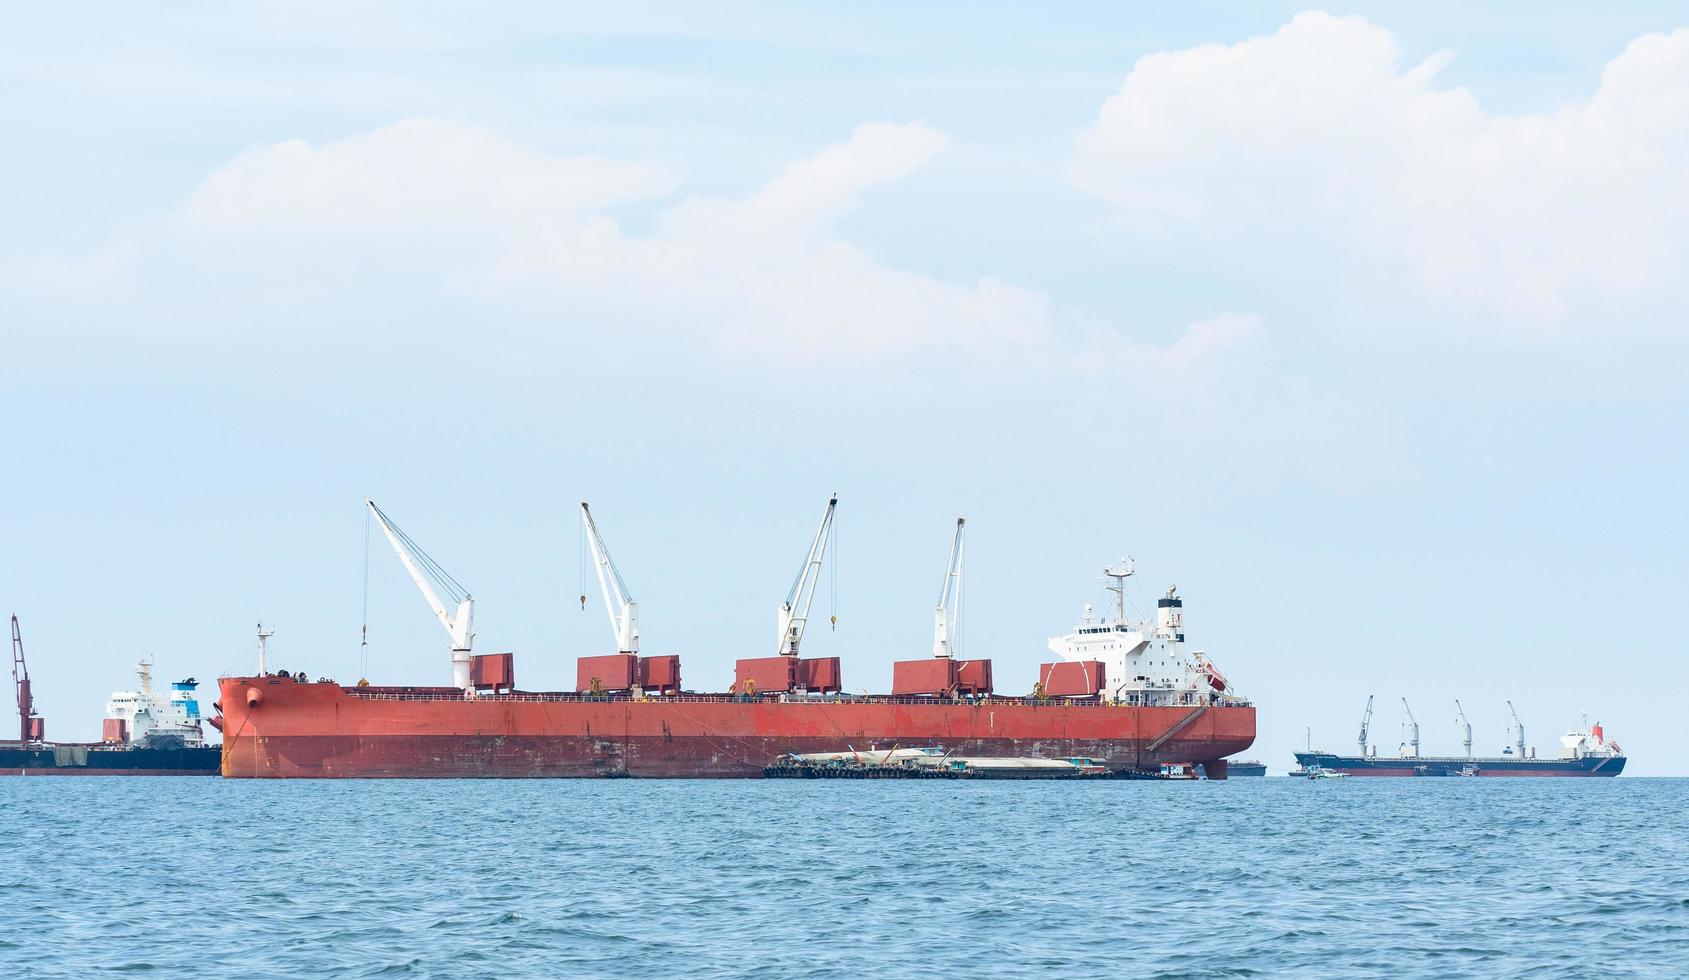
(1410, 748)
(29, 725)
(1518, 730)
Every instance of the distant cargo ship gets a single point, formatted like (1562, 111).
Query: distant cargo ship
(145, 734)
(1584, 751)
(1247, 767)
(1122, 692)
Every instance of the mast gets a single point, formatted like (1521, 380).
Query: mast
(1413, 728)
(1366, 724)
(427, 573)
(947, 620)
(263, 635)
(1518, 729)
(1466, 727)
(620, 604)
(1119, 572)
(793, 614)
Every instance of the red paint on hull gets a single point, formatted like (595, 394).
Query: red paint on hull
(323, 730)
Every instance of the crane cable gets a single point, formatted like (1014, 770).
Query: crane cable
(363, 645)
(451, 586)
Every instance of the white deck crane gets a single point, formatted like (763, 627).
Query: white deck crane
(1466, 727)
(619, 603)
(793, 614)
(947, 621)
(1410, 748)
(1518, 730)
(427, 574)
(1366, 725)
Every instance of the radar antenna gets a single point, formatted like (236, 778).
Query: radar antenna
(1118, 573)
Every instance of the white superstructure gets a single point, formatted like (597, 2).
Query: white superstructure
(1144, 662)
(1581, 743)
(151, 717)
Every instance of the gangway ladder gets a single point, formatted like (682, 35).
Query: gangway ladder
(1177, 727)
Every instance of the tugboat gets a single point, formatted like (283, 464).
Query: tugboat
(144, 734)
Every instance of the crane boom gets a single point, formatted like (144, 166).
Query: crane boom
(1466, 727)
(1366, 725)
(793, 614)
(20, 684)
(947, 621)
(1519, 730)
(619, 602)
(426, 573)
(1413, 729)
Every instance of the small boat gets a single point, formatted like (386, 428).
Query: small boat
(1320, 772)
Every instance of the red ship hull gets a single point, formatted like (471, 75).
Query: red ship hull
(275, 727)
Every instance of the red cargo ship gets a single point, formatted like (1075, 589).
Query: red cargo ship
(1123, 694)
(278, 726)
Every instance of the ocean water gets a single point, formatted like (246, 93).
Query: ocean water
(180, 878)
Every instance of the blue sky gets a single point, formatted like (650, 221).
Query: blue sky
(1364, 327)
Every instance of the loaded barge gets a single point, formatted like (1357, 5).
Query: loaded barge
(926, 764)
(1125, 693)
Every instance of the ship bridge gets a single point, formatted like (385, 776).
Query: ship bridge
(1144, 662)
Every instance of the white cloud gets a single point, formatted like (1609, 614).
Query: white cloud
(766, 275)
(418, 175)
(1224, 386)
(1322, 133)
(301, 243)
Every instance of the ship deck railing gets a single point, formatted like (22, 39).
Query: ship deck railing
(1446, 758)
(452, 694)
